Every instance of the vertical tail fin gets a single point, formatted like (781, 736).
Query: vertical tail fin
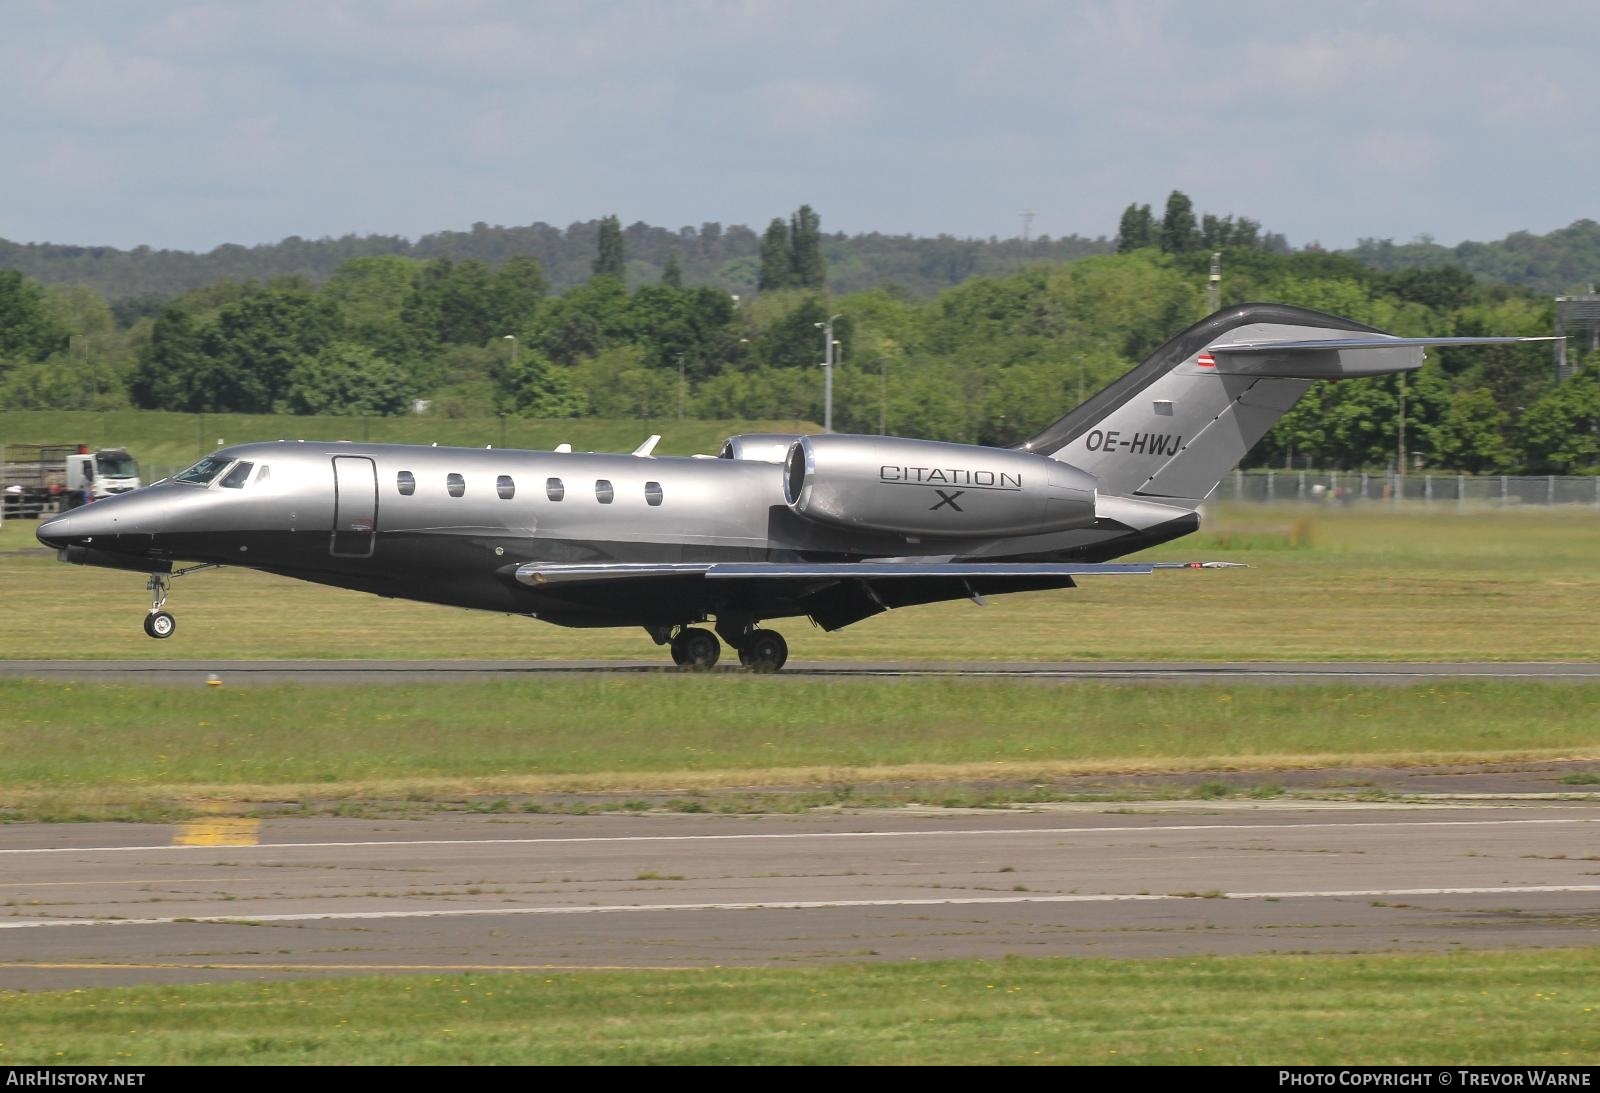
(1172, 427)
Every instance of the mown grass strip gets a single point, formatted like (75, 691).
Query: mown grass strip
(661, 732)
(1461, 1008)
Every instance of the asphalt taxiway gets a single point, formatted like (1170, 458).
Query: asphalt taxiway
(95, 904)
(186, 672)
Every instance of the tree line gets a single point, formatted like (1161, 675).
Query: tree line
(989, 361)
(139, 280)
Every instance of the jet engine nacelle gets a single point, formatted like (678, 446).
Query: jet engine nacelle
(924, 487)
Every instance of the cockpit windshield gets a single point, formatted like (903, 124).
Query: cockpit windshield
(204, 471)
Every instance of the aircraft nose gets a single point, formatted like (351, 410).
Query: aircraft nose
(94, 521)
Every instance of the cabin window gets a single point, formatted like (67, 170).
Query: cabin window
(604, 493)
(553, 489)
(652, 493)
(455, 485)
(264, 475)
(505, 487)
(406, 483)
(237, 477)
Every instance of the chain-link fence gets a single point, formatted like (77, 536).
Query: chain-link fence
(1356, 487)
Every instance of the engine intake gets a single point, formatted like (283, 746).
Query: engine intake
(925, 487)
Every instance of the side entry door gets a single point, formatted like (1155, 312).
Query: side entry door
(355, 506)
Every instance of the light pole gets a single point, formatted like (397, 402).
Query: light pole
(94, 381)
(883, 396)
(681, 386)
(827, 372)
(512, 338)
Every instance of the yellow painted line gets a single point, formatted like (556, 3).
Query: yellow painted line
(223, 831)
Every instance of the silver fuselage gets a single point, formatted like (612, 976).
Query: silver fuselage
(452, 526)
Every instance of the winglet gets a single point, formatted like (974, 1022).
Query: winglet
(643, 451)
(563, 447)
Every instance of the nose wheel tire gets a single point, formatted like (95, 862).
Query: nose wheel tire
(696, 648)
(764, 651)
(159, 624)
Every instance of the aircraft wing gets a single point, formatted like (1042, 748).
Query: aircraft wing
(538, 575)
(833, 594)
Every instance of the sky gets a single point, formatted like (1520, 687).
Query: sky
(187, 126)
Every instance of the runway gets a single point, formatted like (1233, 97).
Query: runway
(345, 672)
(95, 904)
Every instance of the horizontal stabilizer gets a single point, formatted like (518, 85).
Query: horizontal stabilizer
(1383, 342)
(1334, 358)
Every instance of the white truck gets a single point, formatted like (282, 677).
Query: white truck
(41, 479)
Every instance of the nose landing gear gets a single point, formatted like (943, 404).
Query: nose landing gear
(158, 623)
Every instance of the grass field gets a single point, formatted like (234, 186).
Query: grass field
(102, 751)
(1456, 1009)
(1358, 584)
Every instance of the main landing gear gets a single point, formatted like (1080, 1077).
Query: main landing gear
(695, 647)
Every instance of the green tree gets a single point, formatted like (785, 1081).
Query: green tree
(451, 304)
(172, 370)
(609, 261)
(805, 249)
(795, 340)
(1561, 431)
(1472, 435)
(532, 386)
(255, 343)
(28, 330)
(516, 294)
(347, 379)
(370, 292)
(1178, 231)
(777, 258)
(585, 321)
(1137, 229)
(672, 272)
(695, 324)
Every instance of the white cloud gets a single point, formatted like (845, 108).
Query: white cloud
(90, 82)
(1318, 64)
(1523, 99)
(811, 106)
(196, 29)
(252, 146)
(1407, 155)
(67, 161)
(488, 136)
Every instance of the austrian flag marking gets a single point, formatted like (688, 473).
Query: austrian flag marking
(1206, 360)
